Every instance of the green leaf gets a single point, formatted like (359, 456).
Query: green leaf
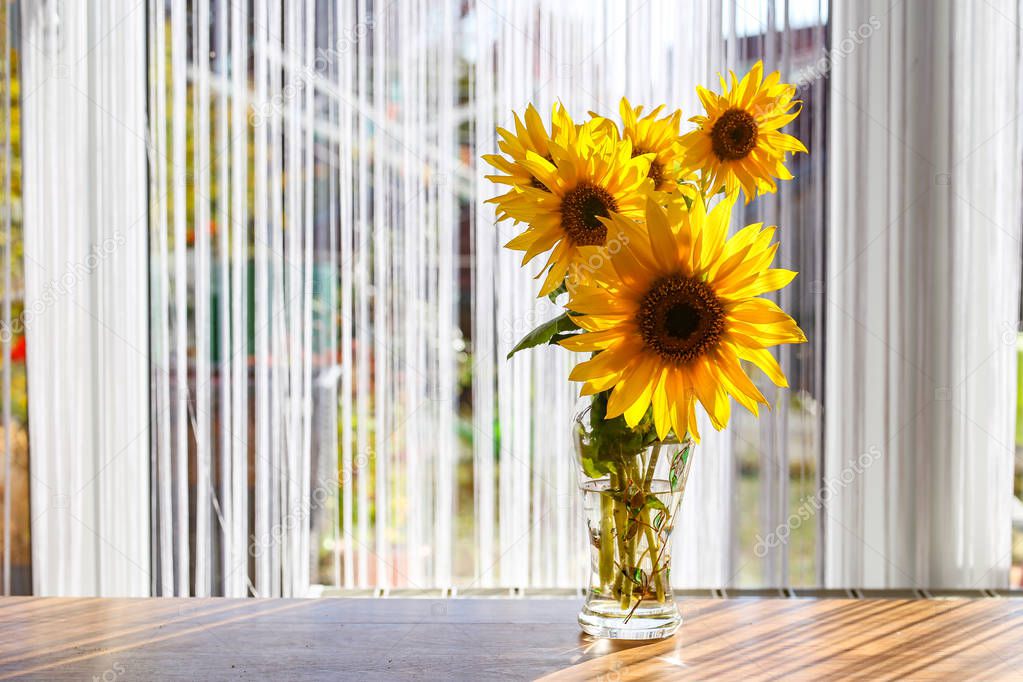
(594, 467)
(678, 463)
(614, 439)
(659, 520)
(545, 332)
(638, 576)
(654, 502)
(557, 338)
(557, 292)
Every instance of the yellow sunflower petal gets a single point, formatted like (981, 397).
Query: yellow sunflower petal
(599, 385)
(594, 340)
(762, 358)
(662, 240)
(632, 390)
(640, 310)
(611, 361)
(660, 404)
(740, 127)
(772, 280)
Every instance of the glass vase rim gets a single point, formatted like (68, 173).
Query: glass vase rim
(671, 439)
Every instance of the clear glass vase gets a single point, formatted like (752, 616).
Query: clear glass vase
(630, 499)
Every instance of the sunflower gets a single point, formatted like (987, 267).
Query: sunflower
(738, 142)
(651, 135)
(588, 177)
(671, 316)
(529, 136)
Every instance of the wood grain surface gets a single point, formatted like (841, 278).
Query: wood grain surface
(384, 638)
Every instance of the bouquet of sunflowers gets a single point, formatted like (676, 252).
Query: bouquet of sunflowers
(666, 306)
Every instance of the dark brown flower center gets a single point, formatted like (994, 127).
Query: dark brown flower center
(581, 209)
(680, 318)
(734, 135)
(533, 182)
(656, 172)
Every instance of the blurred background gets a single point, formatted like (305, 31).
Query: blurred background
(317, 308)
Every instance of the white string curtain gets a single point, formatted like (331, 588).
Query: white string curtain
(304, 296)
(242, 353)
(525, 526)
(587, 56)
(923, 294)
(85, 314)
(776, 532)
(330, 305)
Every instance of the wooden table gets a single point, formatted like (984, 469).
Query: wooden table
(199, 639)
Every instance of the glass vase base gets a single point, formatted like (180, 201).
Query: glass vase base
(605, 618)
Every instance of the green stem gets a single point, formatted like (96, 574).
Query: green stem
(607, 540)
(619, 515)
(654, 550)
(629, 563)
(651, 538)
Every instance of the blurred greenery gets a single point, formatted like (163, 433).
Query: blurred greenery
(18, 487)
(801, 543)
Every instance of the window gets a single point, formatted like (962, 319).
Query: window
(328, 306)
